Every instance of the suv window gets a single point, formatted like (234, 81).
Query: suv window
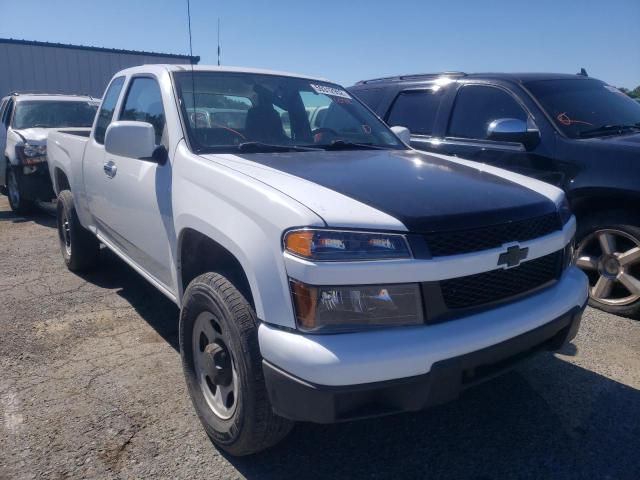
(372, 97)
(54, 114)
(3, 102)
(416, 110)
(584, 107)
(477, 106)
(6, 115)
(106, 110)
(144, 104)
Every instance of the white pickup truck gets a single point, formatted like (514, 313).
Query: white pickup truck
(325, 271)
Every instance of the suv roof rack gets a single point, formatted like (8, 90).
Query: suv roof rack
(416, 76)
(17, 94)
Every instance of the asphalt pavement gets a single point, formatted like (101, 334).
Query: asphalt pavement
(91, 387)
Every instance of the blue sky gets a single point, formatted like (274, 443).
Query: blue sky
(349, 40)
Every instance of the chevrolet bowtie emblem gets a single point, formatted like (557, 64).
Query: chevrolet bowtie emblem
(513, 256)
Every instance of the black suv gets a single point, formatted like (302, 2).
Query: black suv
(572, 131)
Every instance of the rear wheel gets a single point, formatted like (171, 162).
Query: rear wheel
(223, 367)
(80, 248)
(19, 204)
(608, 251)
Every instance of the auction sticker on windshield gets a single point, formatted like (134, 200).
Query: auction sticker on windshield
(331, 91)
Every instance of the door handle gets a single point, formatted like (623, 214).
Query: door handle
(110, 169)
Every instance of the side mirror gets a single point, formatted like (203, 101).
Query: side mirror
(133, 140)
(403, 134)
(514, 130)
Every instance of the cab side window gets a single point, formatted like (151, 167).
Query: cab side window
(476, 106)
(415, 110)
(144, 104)
(106, 109)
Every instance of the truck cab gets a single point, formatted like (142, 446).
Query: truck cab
(325, 271)
(25, 122)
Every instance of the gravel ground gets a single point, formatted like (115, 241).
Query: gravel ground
(91, 387)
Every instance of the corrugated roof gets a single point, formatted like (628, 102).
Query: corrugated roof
(195, 58)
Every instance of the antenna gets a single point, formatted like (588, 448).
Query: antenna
(193, 81)
(218, 41)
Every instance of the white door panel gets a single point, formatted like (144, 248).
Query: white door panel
(138, 216)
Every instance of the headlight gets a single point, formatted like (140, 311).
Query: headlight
(569, 254)
(344, 245)
(348, 308)
(565, 211)
(30, 154)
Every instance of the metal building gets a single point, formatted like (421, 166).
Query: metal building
(42, 67)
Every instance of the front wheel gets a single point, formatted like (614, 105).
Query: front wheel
(608, 251)
(223, 367)
(17, 201)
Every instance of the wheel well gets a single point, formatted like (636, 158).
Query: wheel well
(62, 182)
(588, 205)
(200, 254)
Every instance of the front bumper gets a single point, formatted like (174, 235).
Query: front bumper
(297, 399)
(35, 182)
(328, 378)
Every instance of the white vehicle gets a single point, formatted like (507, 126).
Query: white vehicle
(323, 274)
(25, 122)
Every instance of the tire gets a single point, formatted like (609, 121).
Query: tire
(18, 203)
(618, 271)
(80, 248)
(213, 307)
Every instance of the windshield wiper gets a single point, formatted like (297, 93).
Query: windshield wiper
(344, 145)
(259, 147)
(608, 129)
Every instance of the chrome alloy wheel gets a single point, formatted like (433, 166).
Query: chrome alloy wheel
(215, 367)
(611, 259)
(12, 188)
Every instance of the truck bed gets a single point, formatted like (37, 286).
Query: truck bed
(65, 150)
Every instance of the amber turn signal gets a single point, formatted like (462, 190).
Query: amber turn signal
(299, 242)
(305, 299)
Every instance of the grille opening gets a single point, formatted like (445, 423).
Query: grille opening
(500, 284)
(484, 238)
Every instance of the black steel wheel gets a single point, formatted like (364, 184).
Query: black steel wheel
(223, 367)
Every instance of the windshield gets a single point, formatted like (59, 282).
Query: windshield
(257, 112)
(56, 114)
(585, 107)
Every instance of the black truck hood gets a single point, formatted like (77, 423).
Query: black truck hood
(424, 192)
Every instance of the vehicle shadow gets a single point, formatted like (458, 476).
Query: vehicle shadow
(156, 309)
(583, 426)
(547, 419)
(38, 216)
